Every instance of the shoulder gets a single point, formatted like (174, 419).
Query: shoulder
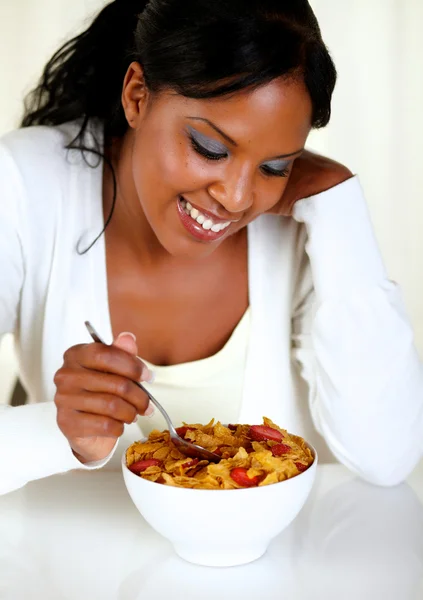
(39, 152)
(43, 185)
(38, 173)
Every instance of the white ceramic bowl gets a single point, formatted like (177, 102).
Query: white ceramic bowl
(220, 528)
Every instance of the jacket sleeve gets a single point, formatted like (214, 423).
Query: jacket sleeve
(31, 444)
(354, 342)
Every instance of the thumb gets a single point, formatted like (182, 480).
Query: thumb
(126, 341)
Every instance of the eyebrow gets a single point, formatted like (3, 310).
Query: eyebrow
(232, 142)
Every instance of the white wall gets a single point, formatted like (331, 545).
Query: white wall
(30, 31)
(376, 127)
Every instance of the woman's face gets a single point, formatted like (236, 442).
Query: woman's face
(204, 169)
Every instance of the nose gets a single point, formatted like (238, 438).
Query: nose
(234, 191)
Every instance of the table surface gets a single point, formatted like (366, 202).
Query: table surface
(78, 536)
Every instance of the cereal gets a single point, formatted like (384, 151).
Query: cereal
(252, 456)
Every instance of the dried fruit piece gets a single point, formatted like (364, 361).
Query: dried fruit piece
(240, 476)
(142, 465)
(280, 449)
(263, 432)
(250, 456)
(301, 467)
(181, 431)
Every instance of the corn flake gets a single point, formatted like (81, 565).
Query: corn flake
(252, 456)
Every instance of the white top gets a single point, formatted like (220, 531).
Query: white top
(204, 388)
(326, 308)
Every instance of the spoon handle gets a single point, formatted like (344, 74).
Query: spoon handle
(93, 333)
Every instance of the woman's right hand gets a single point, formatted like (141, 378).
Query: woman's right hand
(96, 395)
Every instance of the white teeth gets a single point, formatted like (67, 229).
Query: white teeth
(202, 220)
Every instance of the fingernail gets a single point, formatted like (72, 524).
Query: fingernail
(127, 333)
(147, 375)
(136, 419)
(150, 410)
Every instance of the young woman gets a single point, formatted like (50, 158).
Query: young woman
(159, 187)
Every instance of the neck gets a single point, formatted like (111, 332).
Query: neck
(128, 225)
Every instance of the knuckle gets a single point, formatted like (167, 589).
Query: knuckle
(62, 421)
(71, 352)
(59, 400)
(103, 354)
(130, 417)
(111, 427)
(136, 369)
(123, 387)
(67, 356)
(145, 401)
(112, 405)
(58, 378)
(62, 377)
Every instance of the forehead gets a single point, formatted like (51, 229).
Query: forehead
(278, 110)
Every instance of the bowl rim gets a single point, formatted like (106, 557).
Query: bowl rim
(254, 489)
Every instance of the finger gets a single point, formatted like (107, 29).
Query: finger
(126, 341)
(71, 382)
(100, 404)
(76, 424)
(107, 359)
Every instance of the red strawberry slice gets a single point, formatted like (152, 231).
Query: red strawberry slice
(240, 476)
(280, 449)
(190, 463)
(181, 431)
(260, 433)
(142, 465)
(301, 467)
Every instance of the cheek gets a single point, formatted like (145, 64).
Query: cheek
(163, 167)
(268, 193)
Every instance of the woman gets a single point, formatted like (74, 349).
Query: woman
(160, 188)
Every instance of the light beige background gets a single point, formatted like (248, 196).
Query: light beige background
(376, 127)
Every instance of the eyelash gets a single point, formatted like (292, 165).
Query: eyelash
(273, 173)
(213, 156)
(204, 152)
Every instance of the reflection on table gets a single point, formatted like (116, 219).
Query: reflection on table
(78, 536)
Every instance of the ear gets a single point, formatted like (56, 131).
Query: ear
(135, 95)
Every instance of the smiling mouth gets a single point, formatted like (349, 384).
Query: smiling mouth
(204, 220)
(201, 226)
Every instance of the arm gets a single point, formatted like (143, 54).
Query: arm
(31, 444)
(354, 342)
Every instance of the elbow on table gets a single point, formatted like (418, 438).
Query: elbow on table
(383, 469)
(384, 477)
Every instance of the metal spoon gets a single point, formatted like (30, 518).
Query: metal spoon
(187, 448)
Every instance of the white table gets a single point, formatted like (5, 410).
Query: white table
(78, 536)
